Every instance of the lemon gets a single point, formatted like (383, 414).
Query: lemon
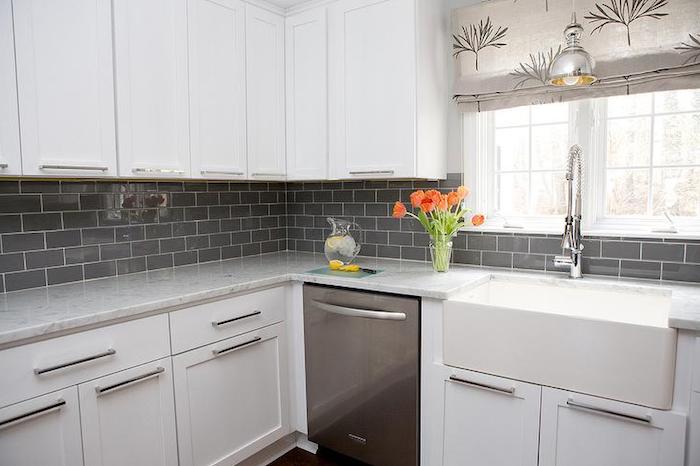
(335, 265)
(350, 268)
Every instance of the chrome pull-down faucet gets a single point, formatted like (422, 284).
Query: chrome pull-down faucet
(571, 240)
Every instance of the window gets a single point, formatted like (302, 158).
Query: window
(642, 161)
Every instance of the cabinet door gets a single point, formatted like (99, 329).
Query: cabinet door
(129, 417)
(694, 422)
(9, 123)
(151, 79)
(265, 85)
(372, 88)
(490, 420)
(43, 431)
(307, 95)
(217, 88)
(65, 87)
(581, 430)
(231, 397)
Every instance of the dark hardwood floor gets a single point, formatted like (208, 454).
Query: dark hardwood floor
(299, 457)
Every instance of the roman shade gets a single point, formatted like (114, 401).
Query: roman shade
(503, 49)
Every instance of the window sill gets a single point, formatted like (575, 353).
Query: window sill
(615, 233)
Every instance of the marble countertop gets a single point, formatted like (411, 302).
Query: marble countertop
(45, 312)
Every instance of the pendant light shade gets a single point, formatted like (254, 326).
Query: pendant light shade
(573, 66)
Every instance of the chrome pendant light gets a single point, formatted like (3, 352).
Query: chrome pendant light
(573, 66)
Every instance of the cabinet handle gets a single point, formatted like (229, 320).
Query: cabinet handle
(74, 167)
(168, 171)
(128, 382)
(235, 347)
(3, 166)
(219, 172)
(93, 357)
(507, 391)
(58, 404)
(267, 174)
(607, 412)
(373, 172)
(234, 319)
(356, 312)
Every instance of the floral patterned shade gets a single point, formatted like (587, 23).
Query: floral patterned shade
(503, 49)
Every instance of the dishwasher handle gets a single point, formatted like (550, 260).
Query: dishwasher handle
(355, 312)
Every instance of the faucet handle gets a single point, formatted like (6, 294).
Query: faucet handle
(563, 261)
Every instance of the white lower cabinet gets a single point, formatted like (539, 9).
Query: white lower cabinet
(231, 397)
(581, 430)
(490, 421)
(129, 417)
(43, 431)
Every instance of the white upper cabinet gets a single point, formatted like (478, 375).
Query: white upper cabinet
(9, 124)
(217, 88)
(265, 94)
(152, 89)
(65, 86)
(383, 122)
(490, 420)
(581, 430)
(307, 95)
(128, 418)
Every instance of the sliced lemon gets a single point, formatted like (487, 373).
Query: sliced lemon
(335, 265)
(350, 268)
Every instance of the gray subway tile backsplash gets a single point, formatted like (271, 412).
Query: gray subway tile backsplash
(54, 232)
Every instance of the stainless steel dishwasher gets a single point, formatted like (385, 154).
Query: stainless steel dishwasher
(362, 374)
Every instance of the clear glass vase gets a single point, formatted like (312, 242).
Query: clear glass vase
(441, 253)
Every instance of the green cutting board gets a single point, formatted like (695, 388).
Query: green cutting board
(338, 273)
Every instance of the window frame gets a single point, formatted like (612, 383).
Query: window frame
(588, 126)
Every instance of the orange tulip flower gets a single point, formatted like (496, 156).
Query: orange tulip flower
(453, 199)
(462, 192)
(478, 220)
(427, 204)
(416, 198)
(399, 210)
(442, 203)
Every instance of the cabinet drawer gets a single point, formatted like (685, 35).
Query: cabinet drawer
(37, 368)
(696, 366)
(207, 323)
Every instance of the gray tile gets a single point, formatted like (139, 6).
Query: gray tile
(197, 242)
(269, 246)
(640, 269)
(161, 261)
(692, 253)
(98, 235)
(529, 261)
(467, 257)
(389, 224)
(250, 249)
(132, 265)
(130, 233)
(545, 245)
(241, 237)
(376, 237)
(513, 243)
(79, 219)
(39, 186)
(413, 253)
(7, 186)
(663, 252)
(11, 262)
(145, 248)
(77, 186)
(15, 204)
(209, 255)
(591, 247)
(15, 242)
(115, 251)
(10, 224)
(158, 230)
(43, 259)
(681, 272)
(100, 270)
(594, 266)
(188, 257)
(24, 280)
(208, 226)
(39, 222)
(391, 252)
(207, 199)
(63, 238)
(173, 244)
(400, 238)
(60, 202)
(67, 274)
(82, 254)
(184, 229)
(481, 242)
(621, 250)
(496, 259)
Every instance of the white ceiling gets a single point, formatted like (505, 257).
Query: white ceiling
(287, 3)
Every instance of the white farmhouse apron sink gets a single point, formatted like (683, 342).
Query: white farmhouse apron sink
(607, 340)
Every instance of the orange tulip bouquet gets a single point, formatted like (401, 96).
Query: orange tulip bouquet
(442, 215)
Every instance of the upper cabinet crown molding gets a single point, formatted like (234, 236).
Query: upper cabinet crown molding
(152, 88)
(307, 95)
(265, 94)
(10, 163)
(65, 87)
(387, 89)
(217, 88)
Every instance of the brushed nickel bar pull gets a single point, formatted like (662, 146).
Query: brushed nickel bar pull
(165, 171)
(267, 174)
(74, 167)
(354, 312)
(607, 412)
(219, 172)
(235, 347)
(507, 391)
(372, 172)
(32, 414)
(128, 382)
(235, 319)
(3, 166)
(93, 357)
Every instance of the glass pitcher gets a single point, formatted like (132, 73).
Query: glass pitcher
(343, 244)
